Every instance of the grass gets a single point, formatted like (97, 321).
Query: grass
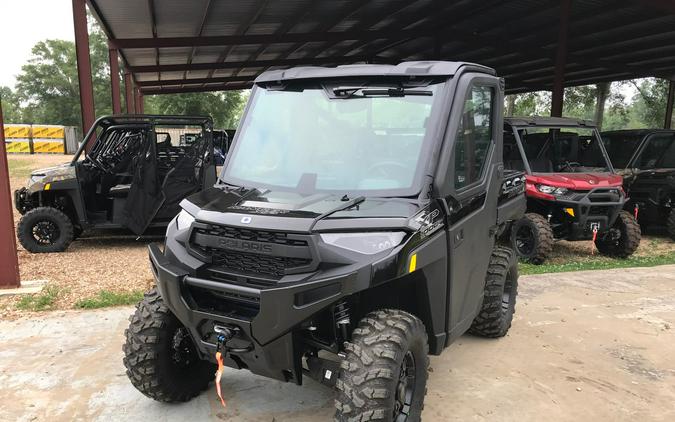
(106, 298)
(19, 168)
(597, 262)
(43, 301)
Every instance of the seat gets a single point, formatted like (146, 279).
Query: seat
(119, 191)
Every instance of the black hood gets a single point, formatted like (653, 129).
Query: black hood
(660, 175)
(263, 209)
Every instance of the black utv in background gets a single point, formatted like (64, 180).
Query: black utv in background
(646, 159)
(133, 177)
(353, 231)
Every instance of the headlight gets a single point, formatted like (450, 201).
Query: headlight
(35, 178)
(184, 220)
(365, 243)
(552, 190)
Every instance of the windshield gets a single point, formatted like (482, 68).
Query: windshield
(658, 152)
(556, 150)
(342, 140)
(621, 147)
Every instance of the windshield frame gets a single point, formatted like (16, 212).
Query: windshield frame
(526, 160)
(427, 147)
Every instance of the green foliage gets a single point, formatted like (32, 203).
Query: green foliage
(106, 298)
(43, 301)
(598, 262)
(649, 104)
(11, 108)
(224, 107)
(47, 89)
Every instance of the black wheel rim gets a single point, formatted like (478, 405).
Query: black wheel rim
(525, 240)
(183, 352)
(45, 232)
(405, 388)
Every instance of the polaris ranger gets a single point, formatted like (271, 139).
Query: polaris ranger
(572, 190)
(134, 177)
(646, 158)
(353, 231)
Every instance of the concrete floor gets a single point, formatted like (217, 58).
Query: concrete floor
(584, 346)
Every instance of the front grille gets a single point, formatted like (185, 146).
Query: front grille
(248, 263)
(251, 235)
(269, 255)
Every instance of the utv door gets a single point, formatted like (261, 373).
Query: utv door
(145, 194)
(193, 171)
(473, 179)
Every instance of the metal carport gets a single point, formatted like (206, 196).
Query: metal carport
(173, 46)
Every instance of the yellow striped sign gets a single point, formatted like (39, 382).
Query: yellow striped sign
(48, 147)
(17, 131)
(22, 147)
(43, 131)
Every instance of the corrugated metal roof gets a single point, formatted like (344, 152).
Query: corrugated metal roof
(165, 43)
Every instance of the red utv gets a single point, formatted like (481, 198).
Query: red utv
(571, 188)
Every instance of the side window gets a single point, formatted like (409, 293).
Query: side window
(474, 136)
(659, 150)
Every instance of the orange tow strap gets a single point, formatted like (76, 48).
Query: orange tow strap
(595, 235)
(219, 374)
(636, 211)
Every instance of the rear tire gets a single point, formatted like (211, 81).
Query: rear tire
(670, 225)
(532, 238)
(499, 298)
(159, 354)
(45, 229)
(384, 375)
(627, 243)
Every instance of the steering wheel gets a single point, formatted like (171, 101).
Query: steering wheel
(388, 169)
(570, 165)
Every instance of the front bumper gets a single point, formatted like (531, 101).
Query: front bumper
(264, 318)
(22, 200)
(598, 208)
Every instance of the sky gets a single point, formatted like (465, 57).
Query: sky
(23, 24)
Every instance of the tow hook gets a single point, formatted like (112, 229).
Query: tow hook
(594, 228)
(225, 334)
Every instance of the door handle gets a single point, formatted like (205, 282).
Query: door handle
(459, 237)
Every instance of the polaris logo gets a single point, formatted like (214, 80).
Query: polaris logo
(245, 245)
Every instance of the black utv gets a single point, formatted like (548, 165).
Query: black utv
(134, 176)
(646, 159)
(353, 231)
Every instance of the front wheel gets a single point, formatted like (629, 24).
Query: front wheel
(532, 238)
(160, 356)
(628, 240)
(384, 374)
(45, 229)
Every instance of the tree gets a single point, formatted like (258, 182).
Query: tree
(224, 107)
(649, 104)
(11, 108)
(48, 88)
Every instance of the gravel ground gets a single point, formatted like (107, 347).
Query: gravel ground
(112, 260)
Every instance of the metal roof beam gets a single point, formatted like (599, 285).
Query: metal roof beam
(208, 88)
(246, 64)
(190, 81)
(299, 37)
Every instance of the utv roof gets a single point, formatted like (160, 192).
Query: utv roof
(406, 69)
(154, 118)
(639, 132)
(548, 121)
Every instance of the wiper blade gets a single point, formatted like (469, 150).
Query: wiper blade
(394, 92)
(350, 92)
